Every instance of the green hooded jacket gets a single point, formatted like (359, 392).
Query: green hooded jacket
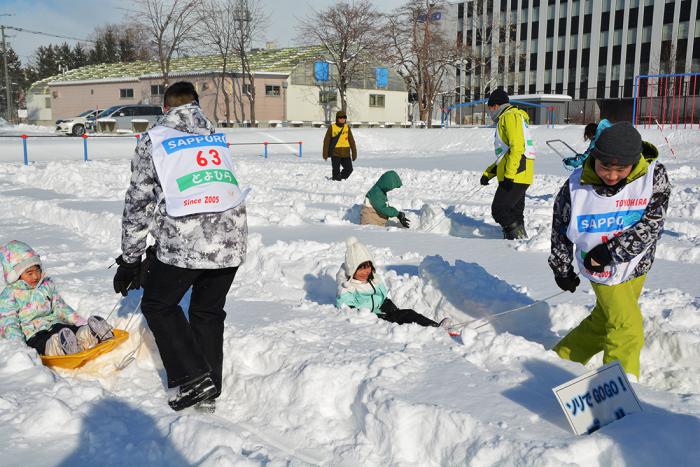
(377, 194)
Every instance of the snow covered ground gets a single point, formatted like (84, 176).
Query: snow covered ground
(307, 384)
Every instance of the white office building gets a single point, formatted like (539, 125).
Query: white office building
(587, 49)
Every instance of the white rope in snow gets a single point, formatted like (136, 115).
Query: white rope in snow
(491, 318)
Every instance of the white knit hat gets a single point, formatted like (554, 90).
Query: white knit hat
(355, 255)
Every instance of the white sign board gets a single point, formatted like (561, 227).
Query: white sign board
(22, 113)
(597, 398)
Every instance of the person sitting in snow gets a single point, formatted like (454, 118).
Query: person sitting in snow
(611, 214)
(360, 286)
(32, 310)
(376, 210)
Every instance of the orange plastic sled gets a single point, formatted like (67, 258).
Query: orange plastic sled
(79, 359)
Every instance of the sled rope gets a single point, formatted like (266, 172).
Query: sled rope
(491, 318)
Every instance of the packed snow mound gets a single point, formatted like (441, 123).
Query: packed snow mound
(306, 383)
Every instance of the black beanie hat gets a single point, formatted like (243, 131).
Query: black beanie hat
(340, 114)
(498, 97)
(620, 144)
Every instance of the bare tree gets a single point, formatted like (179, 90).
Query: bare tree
(421, 51)
(350, 35)
(250, 20)
(170, 24)
(489, 53)
(217, 30)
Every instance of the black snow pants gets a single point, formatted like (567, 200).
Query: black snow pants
(508, 206)
(194, 348)
(336, 163)
(391, 313)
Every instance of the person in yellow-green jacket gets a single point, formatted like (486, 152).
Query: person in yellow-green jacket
(608, 217)
(514, 166)
(339, 145)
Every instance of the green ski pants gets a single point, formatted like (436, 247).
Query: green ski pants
(614, 326)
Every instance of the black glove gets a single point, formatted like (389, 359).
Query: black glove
(601, 255)
(402, 219)
(507, 183)
(127, 277)
(569, 282)
(484, 180)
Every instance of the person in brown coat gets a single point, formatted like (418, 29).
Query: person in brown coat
(339, 145)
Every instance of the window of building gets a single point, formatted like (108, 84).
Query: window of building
(632, 35)
(248, 89)
(550, 44)
(562, 9)
(685, 10)
(646, 34)
(574, 25)
(668, 12)
(126, 93)
(588, 6)
(327, 97)
(605, 21)
(562, 27)
(573, 43)
(619, 18)
(157, 89)
(376, 100)
(47, 102)
(535, 29)
(272, 90)
(550, 27)
(606, 5)
(587, 20)
(648, 16)
(633, 16)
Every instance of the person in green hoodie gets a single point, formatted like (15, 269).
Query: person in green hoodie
(514, 166)
(376, 209)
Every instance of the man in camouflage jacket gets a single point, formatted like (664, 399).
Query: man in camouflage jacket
(202, 251)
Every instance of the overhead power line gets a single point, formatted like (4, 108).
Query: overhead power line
(40, 33)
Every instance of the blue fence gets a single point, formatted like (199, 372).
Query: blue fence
(86, 157)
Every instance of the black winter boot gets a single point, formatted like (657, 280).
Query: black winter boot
(189, 394)
(515, 231)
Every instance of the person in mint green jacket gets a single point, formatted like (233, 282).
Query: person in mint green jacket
(376, 209)
(361, 287)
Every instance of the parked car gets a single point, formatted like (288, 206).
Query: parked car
(123, 115)
(77, 126)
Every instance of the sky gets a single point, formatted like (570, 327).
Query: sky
(78, 18)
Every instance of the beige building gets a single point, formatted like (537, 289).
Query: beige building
(285, 88)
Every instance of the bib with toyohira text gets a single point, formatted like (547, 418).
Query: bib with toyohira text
(501, 148)
(595, 219)
(195, 172)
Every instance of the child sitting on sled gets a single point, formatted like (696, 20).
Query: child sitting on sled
(31, 308)
(360, 286)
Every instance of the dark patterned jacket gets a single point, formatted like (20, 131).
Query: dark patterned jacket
(630, 242)
(199, 241)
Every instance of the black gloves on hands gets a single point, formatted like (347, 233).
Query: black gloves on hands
(402, 219)
(601, 255)
(127, 277)
(507, 183)
(569, 282)
(130, 276)
(484, 180)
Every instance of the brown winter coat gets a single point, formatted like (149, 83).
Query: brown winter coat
(339, 151)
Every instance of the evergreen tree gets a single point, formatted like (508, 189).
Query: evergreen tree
(18, 83)
(46, 61)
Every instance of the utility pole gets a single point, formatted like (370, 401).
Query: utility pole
(8, 91)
